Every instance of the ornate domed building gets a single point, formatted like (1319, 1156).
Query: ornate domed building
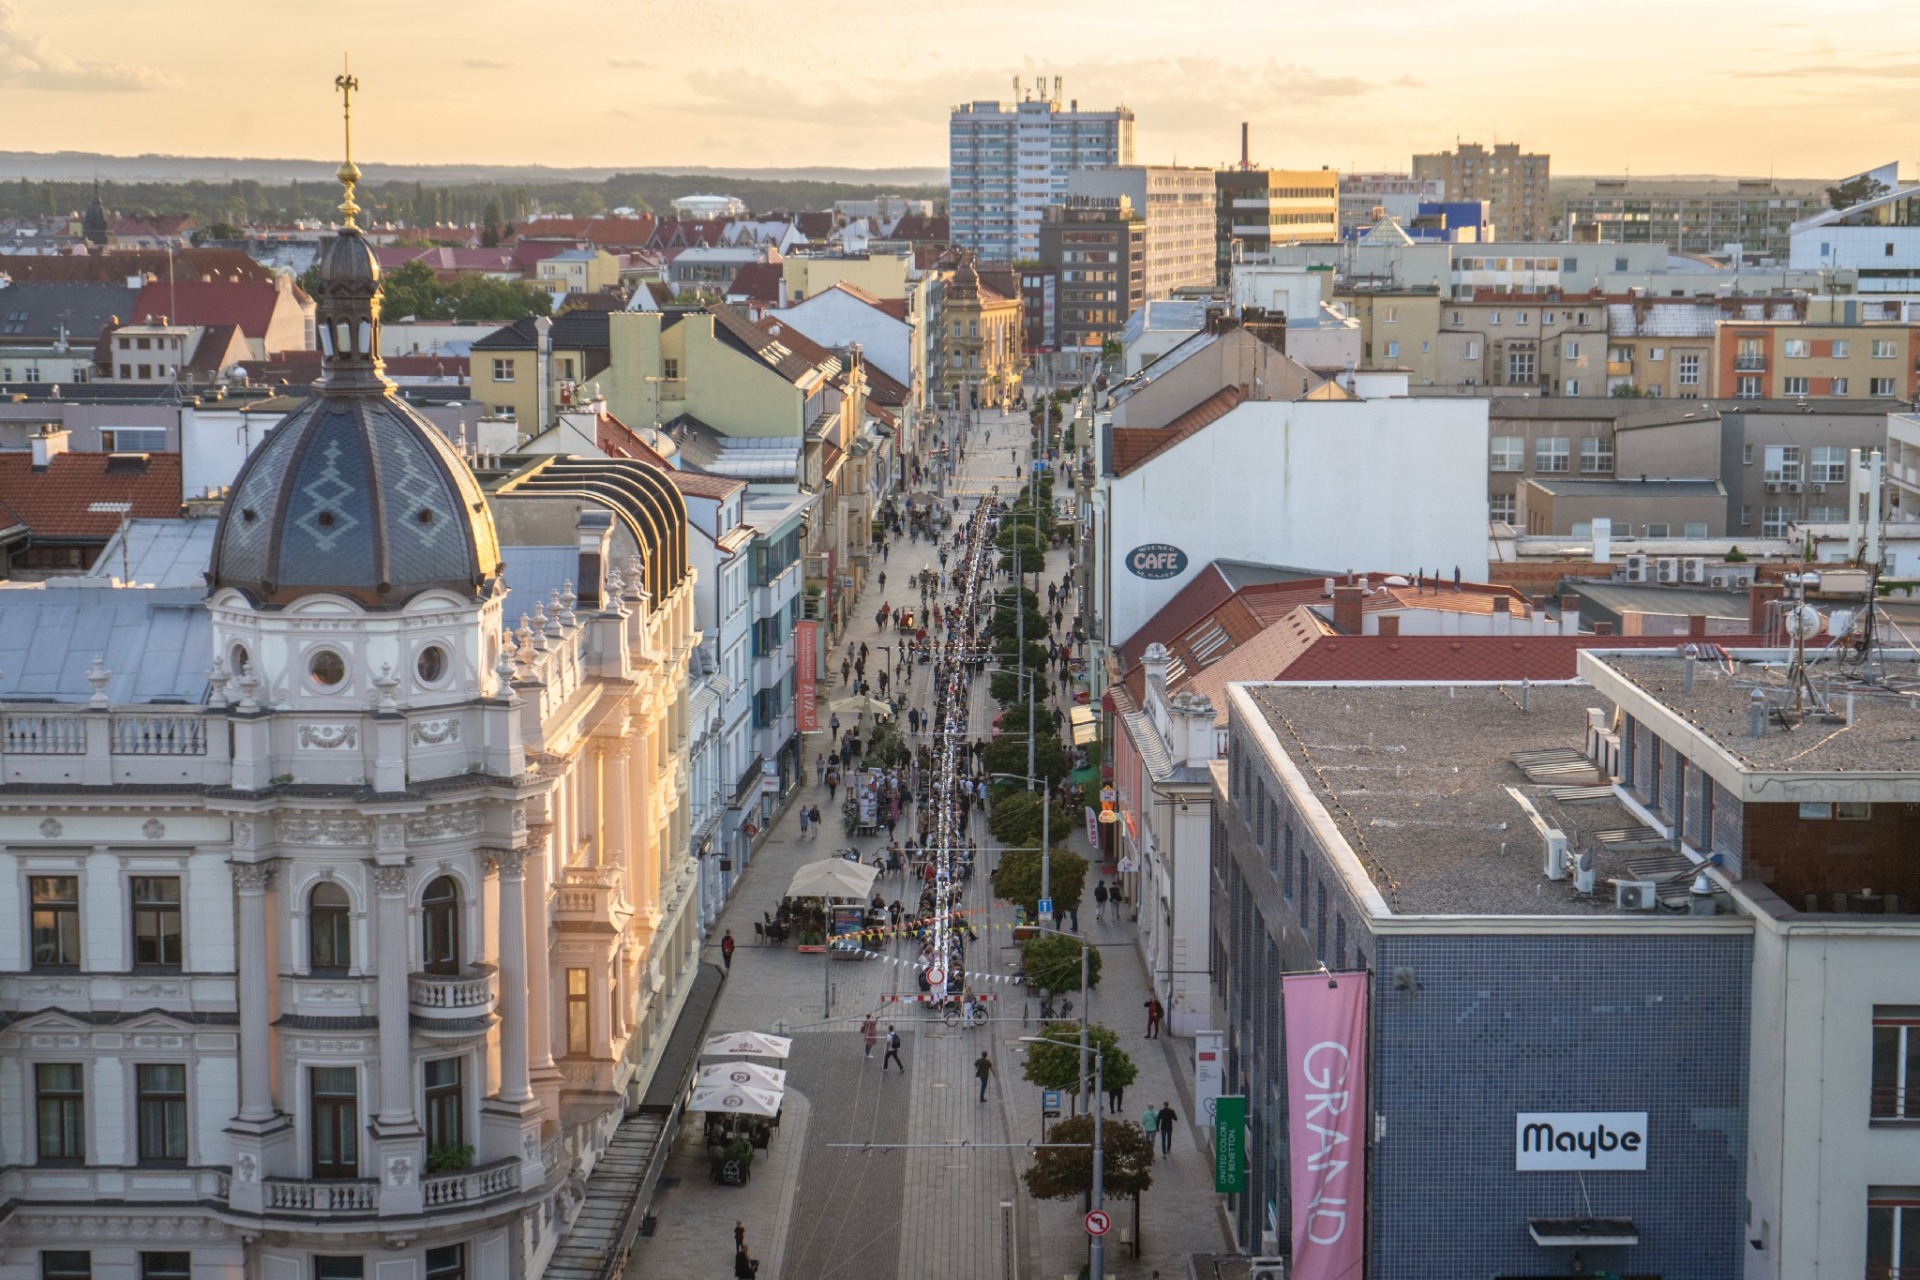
(426, 818)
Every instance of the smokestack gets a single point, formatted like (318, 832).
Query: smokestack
(1245, 163)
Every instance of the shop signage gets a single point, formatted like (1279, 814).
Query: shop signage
(1156, 560)
(1229, 1145)
(1577, 1141)
(806, 661)
(1326, 1027)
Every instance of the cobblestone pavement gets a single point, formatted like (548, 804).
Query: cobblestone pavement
(822, 1205)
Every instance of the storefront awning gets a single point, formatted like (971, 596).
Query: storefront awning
(1562, 1233)
(677, 1060)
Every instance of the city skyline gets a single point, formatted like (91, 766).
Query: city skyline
(721, 85)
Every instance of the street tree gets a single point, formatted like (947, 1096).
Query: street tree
(1057, 1066)
(1017, 879)
(1052, 962)
(1065, 1171)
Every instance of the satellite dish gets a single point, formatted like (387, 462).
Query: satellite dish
(1802, 622)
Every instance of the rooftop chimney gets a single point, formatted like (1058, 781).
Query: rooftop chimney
(1347, 609)
(49, 443)
(1244, 162)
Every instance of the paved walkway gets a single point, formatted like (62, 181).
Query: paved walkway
(822, 1204)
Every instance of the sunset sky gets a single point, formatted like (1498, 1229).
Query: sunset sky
(1725, 86)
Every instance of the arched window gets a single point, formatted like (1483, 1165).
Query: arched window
(440, 934)
(329, 929)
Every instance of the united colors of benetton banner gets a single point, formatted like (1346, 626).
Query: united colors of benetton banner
(806, 693)
(1326, 1020)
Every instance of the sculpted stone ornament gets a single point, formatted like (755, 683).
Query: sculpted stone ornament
(386, 682)
(399, 1171)
(50, 827)
(245, 1167)
(323, 830)
(252, 877)
(390, 880)
(153, 828)
(328, 737)
(431, 733)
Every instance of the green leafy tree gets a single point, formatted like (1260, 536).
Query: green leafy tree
(1017, 879)
(1006, 622)
(1006, 651)
(1855, 191)
(1032, 550)
(1008, 753)
(1015, 821)
(1065, 1172)
(887, 746)
(490, 225)
(1057, 1066)
(1052, 962)
(1627, 391)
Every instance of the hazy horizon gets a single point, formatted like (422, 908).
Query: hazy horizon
(575, 85)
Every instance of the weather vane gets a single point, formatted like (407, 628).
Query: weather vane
(347, 84)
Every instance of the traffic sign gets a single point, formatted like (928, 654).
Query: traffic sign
(1097, 1223)
(1046, 906)
(1049, 1104)
(936, 976)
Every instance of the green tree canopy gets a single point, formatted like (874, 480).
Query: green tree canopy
(1057, 1066)
(888, 746)
(1015, 821)
(1008, 753)
(413, 290)
(1017, 879)
(1052, 962)
(1855, 191)
(1065, 1172)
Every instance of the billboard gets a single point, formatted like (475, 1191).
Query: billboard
(806, 660)
(1326, 1024)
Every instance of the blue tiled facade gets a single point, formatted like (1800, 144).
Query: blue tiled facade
(1491, 1024)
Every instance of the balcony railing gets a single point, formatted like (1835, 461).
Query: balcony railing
(44, 735)
(1750, 364)
(456, 1003)
(160, 735)
(470, 1186)
(301, 1196)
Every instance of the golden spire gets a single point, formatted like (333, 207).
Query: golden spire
(347, 84)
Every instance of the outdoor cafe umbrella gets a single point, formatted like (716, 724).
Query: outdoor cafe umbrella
(728, 1075)
(747, 1044)
(740, 1100)
(833, 878)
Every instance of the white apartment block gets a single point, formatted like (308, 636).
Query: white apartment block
(1008, 162)
(1177, 204)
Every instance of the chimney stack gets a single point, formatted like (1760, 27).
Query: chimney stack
(1245, 163)
(1347, 609)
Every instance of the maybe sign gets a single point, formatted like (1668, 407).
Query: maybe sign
(1577, 1141)
(1229, 1144)
(1156, 560)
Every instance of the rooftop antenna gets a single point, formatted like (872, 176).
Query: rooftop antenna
(348, 85)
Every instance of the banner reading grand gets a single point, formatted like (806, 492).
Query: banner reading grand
(806, 658)
(1326, 1020)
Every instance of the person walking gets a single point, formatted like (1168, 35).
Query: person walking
(816, 820)
(739, 1235)
(983, 1069)
(745, 1267)
(726, 950)
(1116, 1098)
(1154, 1013)
(893, 1051)
(819, 768)
(1099, 896)
(1150, 1122)
(1166, 1122)
(806, 816)
(870, 1033)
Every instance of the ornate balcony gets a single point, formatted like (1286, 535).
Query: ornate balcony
(470, 1186)
(453, 1006)
(301, 1197)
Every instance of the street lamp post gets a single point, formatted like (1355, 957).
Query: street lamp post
(1097, 1246)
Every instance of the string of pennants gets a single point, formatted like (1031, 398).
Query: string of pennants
(1003, 979)
(930, 999)
(886, 933)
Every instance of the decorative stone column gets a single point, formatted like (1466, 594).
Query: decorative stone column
(251, 879)
(513, 977)
(397, 1135)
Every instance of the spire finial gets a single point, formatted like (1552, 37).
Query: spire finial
(347, 84)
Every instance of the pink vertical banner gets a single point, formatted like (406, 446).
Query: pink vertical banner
(1326, 1020)
(806, 658)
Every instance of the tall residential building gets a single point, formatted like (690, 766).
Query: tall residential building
(1175, 204)
(1008, 162)
(1755, 216)
(1097, 247)
(1261, 208)
(1515, 183)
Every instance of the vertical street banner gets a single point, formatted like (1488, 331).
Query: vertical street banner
(806, 658)
(1326, 1025)
(1093, 828)
(1230, 1144)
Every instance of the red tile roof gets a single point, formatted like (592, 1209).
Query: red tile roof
(248, 304)
(605, 233)
(64, 502)
(758, 282)
(115, 265)
(923, 229)
(1134, 446)
(1464, 658)
(698, 484)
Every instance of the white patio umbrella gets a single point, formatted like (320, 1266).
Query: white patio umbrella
(833, 878)
(739, 1100)
(747, 1044)
(728, 1075)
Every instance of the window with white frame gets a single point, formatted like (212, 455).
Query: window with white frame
(1688, 369)
(1571, 349)
(1793, 386)
(1493, 317)
(1748, 388)
(1393, 351)
(1502, 506)
(1656, 353)
(1840, 348)
(1896, 1063)
(1572, 387)
(1883, 349)
(133, 439)
(1520, 368)
(1695, 529)
(1782, 462)
(1827, 464)
(1796, 349)
(1774, 521)
(1839, 387)
(1550, 454)
(1473, 350)
(502, 369)
(1880, 388)
(1506, 453)
(1596, 455)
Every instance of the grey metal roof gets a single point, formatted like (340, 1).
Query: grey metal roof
(157, 642)
(30, 312)
(158, 553)
(1617, 597)
(1630, 488)
(535, 573)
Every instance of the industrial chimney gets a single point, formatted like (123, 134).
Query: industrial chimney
(1245, 163)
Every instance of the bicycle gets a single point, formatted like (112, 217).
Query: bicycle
(1047, 1013)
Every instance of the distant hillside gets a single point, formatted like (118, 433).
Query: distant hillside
(83, 166)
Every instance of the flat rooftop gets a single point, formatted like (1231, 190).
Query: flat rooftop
(1416, 779)
(1884, 736)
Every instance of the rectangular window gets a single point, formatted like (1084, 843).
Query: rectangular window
(133, 439)
(1550, 454)
(445, 1103)
(338, 1267)
(1880, 388)
(1795, 349)
(670, 368)
(1507, 453)
(579, 1039)
(161, 1115)
(1883, 349)
(1747, 387)
(448, 1262)
(156, 922)
(1573, 387)
(1840, 348)
(1828, 464)
(1696, 529)
(1393, 351)
(1656, 354)
(60, 1101)
(1782, 463)
(335, 1108)
(1793, 386)
(1502, 506)
(1893, 1233)
(502, 370)
(1572, 349)
(1596, 455)
(56, 921)
(1520, 368)
(66, 1264)
(1839, 387)
(1774, 520)
(166, 1266)
(1689, 370)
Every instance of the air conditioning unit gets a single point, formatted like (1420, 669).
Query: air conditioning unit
(1721, 581)
(1634, 895)
(1773, 486)
(1636, 568)
(1819, 488)
(1693, 569)
(1793, 486)
(1268, 1269)
(1666, 569)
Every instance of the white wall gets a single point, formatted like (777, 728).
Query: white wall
(834, 318)
(1316, 485)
